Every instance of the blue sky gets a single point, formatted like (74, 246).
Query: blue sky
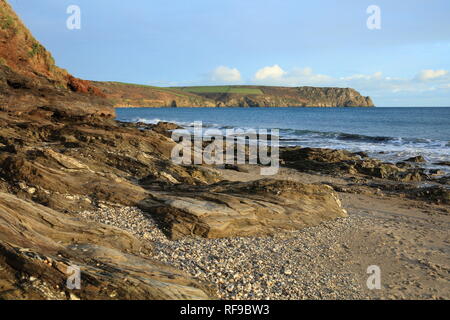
(267, 42)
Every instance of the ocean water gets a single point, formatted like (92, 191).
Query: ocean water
(389, 134)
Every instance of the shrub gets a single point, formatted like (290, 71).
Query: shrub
(7, 22)
(36, 48)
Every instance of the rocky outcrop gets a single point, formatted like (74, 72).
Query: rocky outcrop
(23, 54)
(417, 159)
(263, 207)
(72, 165)
(338, 162)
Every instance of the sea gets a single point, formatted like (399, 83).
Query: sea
(388, 134)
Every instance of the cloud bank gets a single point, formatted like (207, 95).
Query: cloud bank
(426, 75)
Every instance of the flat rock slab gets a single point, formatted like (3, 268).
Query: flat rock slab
(227, 209)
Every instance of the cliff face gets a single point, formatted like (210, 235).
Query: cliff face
(29, 78)
(129, 95)
(133, 95)
(295, 97)
(24, 54)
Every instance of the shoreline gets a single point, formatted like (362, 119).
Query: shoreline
(351, 142)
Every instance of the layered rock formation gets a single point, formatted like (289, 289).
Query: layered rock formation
(38, 245)
(264, 207)
(42, 106)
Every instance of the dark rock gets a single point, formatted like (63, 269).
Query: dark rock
(339, 162)
(418, 159)
(443, 163)
(436, 194)
(404, 165)
(362, 154)
(436, 172)
(444, 180)
(165, 128)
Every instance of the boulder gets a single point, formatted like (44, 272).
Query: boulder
(417, 159)
(165, 128)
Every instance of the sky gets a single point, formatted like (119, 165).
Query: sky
(403, 59)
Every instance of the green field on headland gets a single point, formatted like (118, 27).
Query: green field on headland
(220, 89)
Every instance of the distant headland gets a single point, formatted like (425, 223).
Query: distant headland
(133, 95)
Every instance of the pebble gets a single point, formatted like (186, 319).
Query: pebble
(254, 267)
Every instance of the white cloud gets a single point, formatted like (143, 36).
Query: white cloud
(427, 75)
(226, 74)
(376, 76)
(269, 73)
(426, 84)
